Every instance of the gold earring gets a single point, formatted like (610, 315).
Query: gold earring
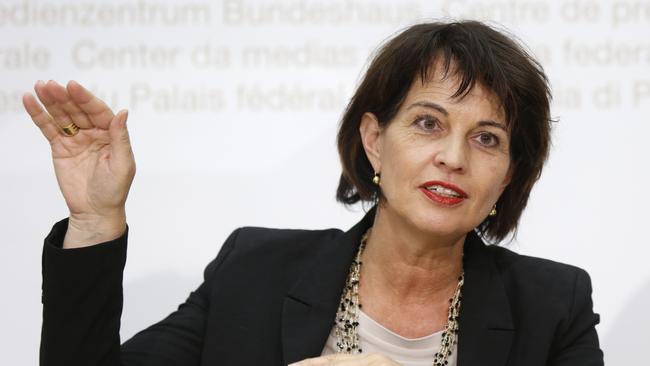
(376, 179)
(494, 211)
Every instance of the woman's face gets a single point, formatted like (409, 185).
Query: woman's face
(443, 161)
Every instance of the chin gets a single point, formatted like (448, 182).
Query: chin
(436, 221)
(440, 225)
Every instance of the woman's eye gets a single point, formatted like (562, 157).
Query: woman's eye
(488, 139)
(426, 123)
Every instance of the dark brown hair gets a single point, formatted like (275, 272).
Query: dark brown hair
(475, 53)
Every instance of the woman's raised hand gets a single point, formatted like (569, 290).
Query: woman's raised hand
(94, 168)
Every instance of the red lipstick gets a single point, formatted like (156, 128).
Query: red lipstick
(442, 198)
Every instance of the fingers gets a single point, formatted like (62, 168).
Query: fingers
(318, 361)
(341, 359)
(98, 112)
(40, 117)
(65, 105)
(120, 141)
(333, 359)
(62, 106)
(60, 117)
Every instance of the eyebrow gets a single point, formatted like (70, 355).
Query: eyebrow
(442, 110)
(492, 123)
(431, 105)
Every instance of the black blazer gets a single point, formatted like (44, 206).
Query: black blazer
(270, 297)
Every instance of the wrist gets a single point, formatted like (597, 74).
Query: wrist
(89, 229)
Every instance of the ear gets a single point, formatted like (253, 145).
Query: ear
(507, 178)
(371, 138)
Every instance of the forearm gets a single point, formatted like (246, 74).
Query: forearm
(578, 344)
(82, 301)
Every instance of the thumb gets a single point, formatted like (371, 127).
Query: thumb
(119, 135)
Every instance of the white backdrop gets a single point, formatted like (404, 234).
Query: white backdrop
(233, 112)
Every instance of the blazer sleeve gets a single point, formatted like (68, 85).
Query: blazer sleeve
(82, 306)
(577, 344)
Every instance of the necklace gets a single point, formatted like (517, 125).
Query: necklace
(347, 315)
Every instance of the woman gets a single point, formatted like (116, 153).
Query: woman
(446, 135)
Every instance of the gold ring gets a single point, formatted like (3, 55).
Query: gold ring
(70, 130)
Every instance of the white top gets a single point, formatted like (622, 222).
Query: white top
(375, 338)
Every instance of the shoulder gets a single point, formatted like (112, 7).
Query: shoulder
(542, 286)
(260, 247)
(551, 300)
(534, 271)
(261, 240)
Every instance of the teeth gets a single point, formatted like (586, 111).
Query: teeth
(444, 191)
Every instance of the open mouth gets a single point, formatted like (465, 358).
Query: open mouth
(443, 193)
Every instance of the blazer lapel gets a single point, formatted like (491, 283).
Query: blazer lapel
(486, 328)
(310, 306)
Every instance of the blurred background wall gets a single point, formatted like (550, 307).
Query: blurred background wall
(234, 106)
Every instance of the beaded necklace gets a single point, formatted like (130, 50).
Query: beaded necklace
(347, 315)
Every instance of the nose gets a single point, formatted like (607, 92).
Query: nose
(451, 155)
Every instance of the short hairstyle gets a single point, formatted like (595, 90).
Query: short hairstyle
(479, 54)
